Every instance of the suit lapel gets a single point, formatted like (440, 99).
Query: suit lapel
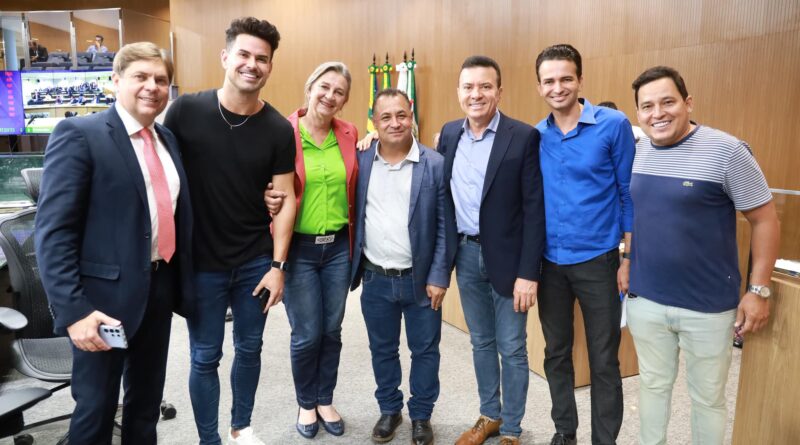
(451, 145)
(417, 174)
(123, 144)
(364, 172)
(346, 140)
(501, 142)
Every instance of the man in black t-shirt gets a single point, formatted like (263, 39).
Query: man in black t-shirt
(233, 145)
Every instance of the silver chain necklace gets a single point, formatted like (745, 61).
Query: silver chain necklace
(219, 106)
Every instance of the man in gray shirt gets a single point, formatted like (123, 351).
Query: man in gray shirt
(400, 257)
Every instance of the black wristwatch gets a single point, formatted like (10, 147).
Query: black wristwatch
(281, 265)
(626, 255)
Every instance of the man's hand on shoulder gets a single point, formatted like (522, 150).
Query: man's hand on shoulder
(363, 144)
(524, 294)
(752, 314)
(436, 294)
(85, 333)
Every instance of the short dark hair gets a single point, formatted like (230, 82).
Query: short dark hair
(262, 29)
(656, 73)
(562, 51)
(98, 36)
(608, 104)
(390, 92)
(485, 62)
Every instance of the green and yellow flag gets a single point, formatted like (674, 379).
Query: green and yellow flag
(373, 89)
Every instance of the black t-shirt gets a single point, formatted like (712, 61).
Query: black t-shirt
(228, 170)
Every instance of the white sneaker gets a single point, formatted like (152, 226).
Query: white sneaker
(246, 437)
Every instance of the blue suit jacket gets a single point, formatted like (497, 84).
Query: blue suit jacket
(430, 259)
(93, 224)
(512, 204)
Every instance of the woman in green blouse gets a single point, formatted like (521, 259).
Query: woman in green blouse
(317, 282)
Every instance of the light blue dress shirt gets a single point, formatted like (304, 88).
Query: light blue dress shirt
(469, 172)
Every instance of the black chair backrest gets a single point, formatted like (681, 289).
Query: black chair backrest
(16, 240)
(32, 178)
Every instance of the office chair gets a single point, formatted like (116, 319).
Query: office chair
(14, 402)
(36, 351)
(32, 178)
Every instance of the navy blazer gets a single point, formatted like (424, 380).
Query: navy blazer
(430, 259)
(512, 203)
(93, 224)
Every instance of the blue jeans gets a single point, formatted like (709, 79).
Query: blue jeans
(494, 328)
(215, 292)
(315, 297)
(384, 302)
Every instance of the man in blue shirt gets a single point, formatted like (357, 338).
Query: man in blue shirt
(586, 154)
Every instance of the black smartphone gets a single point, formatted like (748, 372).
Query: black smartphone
(263, 298)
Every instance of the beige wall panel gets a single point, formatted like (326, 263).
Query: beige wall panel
(137, 27)
(156, 8)
(739, 59)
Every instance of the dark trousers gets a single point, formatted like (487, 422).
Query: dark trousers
(142, 368)
(384, 302)
(594, 283)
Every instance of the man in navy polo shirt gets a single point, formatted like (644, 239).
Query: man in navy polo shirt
(688, 182)
(586, 153)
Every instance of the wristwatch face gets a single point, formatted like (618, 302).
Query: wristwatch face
(761, 291)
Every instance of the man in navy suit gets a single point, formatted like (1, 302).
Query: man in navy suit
(113, 238)
(495, 228)
(400, 256)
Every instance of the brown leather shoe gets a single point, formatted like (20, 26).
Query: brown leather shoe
(509, 440)
(483, 429)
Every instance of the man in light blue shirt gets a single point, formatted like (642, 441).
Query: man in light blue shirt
(469, 172)
(586, 154)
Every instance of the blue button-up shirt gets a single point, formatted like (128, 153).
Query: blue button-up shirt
(586, 174)
(469, 172)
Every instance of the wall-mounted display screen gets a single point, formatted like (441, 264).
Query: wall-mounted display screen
(12, 119)
(52, 96)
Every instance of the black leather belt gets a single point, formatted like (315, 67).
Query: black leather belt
(322, 239)
(473, 238)
(385, 272)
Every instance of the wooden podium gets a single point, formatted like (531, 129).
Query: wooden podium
(768, 401)
(453, 314)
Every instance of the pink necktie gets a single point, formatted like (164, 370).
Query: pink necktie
(166, 221)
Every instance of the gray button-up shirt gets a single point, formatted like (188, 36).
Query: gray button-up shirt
(386, 239)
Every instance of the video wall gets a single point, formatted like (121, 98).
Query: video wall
(34, 102)
(12, 119)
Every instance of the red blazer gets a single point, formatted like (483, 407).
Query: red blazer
(346, 135)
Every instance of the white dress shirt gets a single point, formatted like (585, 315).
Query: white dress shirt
(132, 127)
(386, 239)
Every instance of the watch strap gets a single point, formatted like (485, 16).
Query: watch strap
(280, 265)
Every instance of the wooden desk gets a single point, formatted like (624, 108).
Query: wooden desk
(453, 314)
(768, 401)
